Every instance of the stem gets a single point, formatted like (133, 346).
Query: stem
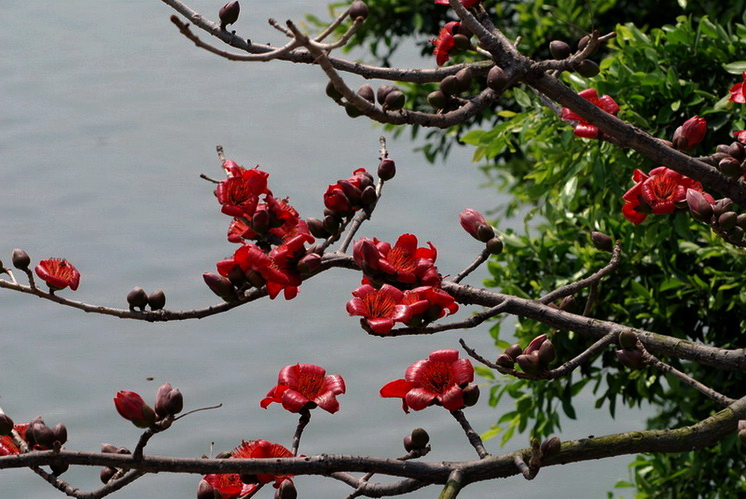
(305, 418)
(474, 439)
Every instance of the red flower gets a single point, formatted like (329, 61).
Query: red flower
(230, 486)
(258, 267)
(583, 128)
(402, 263)
(660, 192)
(58, 273)
(438, 380)
(305, 386)
(132, 407)
(690, 133)
(346, 195)
(740, 136)
(239, 193)
(466, 3)
(380, 308)
(445, 42)
(738, 92)
(7, 446)
(428, 304)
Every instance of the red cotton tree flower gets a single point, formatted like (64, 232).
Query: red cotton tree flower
(403, 263)
(380, 308)
(660, 192)
(239, 193)
(445, 42)
(738, 91)
(305, 386)
(132, 407)
(583, 128)
(438, 380)
(230, 486)
(691, 133)
(58, 273)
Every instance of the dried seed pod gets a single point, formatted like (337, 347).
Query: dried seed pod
(601, 241)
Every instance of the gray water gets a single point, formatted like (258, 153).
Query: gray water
(107, 117)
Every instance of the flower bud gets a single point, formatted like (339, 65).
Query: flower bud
(437, 99)
(332, 92)
(529, 364)
(721, 206)
(137, 298)
(60, 433)
(547, 353)
(40, 434)
(691, 133)
(228, 14)
(535, 344)
(286, 490)
(505, 360)
(382, 92)
(367, 93)
(168, 401)
(462, 42)
(107, 473)
(260, 221)
(727, 220)
(157, 299)
(132, 407)
(550, 447)
(628, 339)
(449, 85)
(736, 235)
(386, 169)
(742, 437)
(730, 166)
(331, 224)
(699, 207)
(207, 491)
(741, 220)
(587, 68)
(369, 196)
(475, 224)
(471, 395)
(569, 304)
(463, 77)
(395, 100)
(221, 286)
(630, 358)
(559, 49)
(737, 150)
(358, 9)
(20, 259)
(59, 468)
(420, 438)
(495, 246)
(6, 425)
(601, 241)
(316, 227)
(352, 111)
(514, 350)
(109, 449)
(408, 444)
(496, 79)
(309, 263)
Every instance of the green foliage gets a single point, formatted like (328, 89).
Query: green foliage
(669, 61)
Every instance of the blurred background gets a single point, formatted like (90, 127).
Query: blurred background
(108, 117)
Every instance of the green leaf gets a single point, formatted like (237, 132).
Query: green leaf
(735, 68)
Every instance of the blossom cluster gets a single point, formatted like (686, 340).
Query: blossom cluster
(400, 284)
(271, 234)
